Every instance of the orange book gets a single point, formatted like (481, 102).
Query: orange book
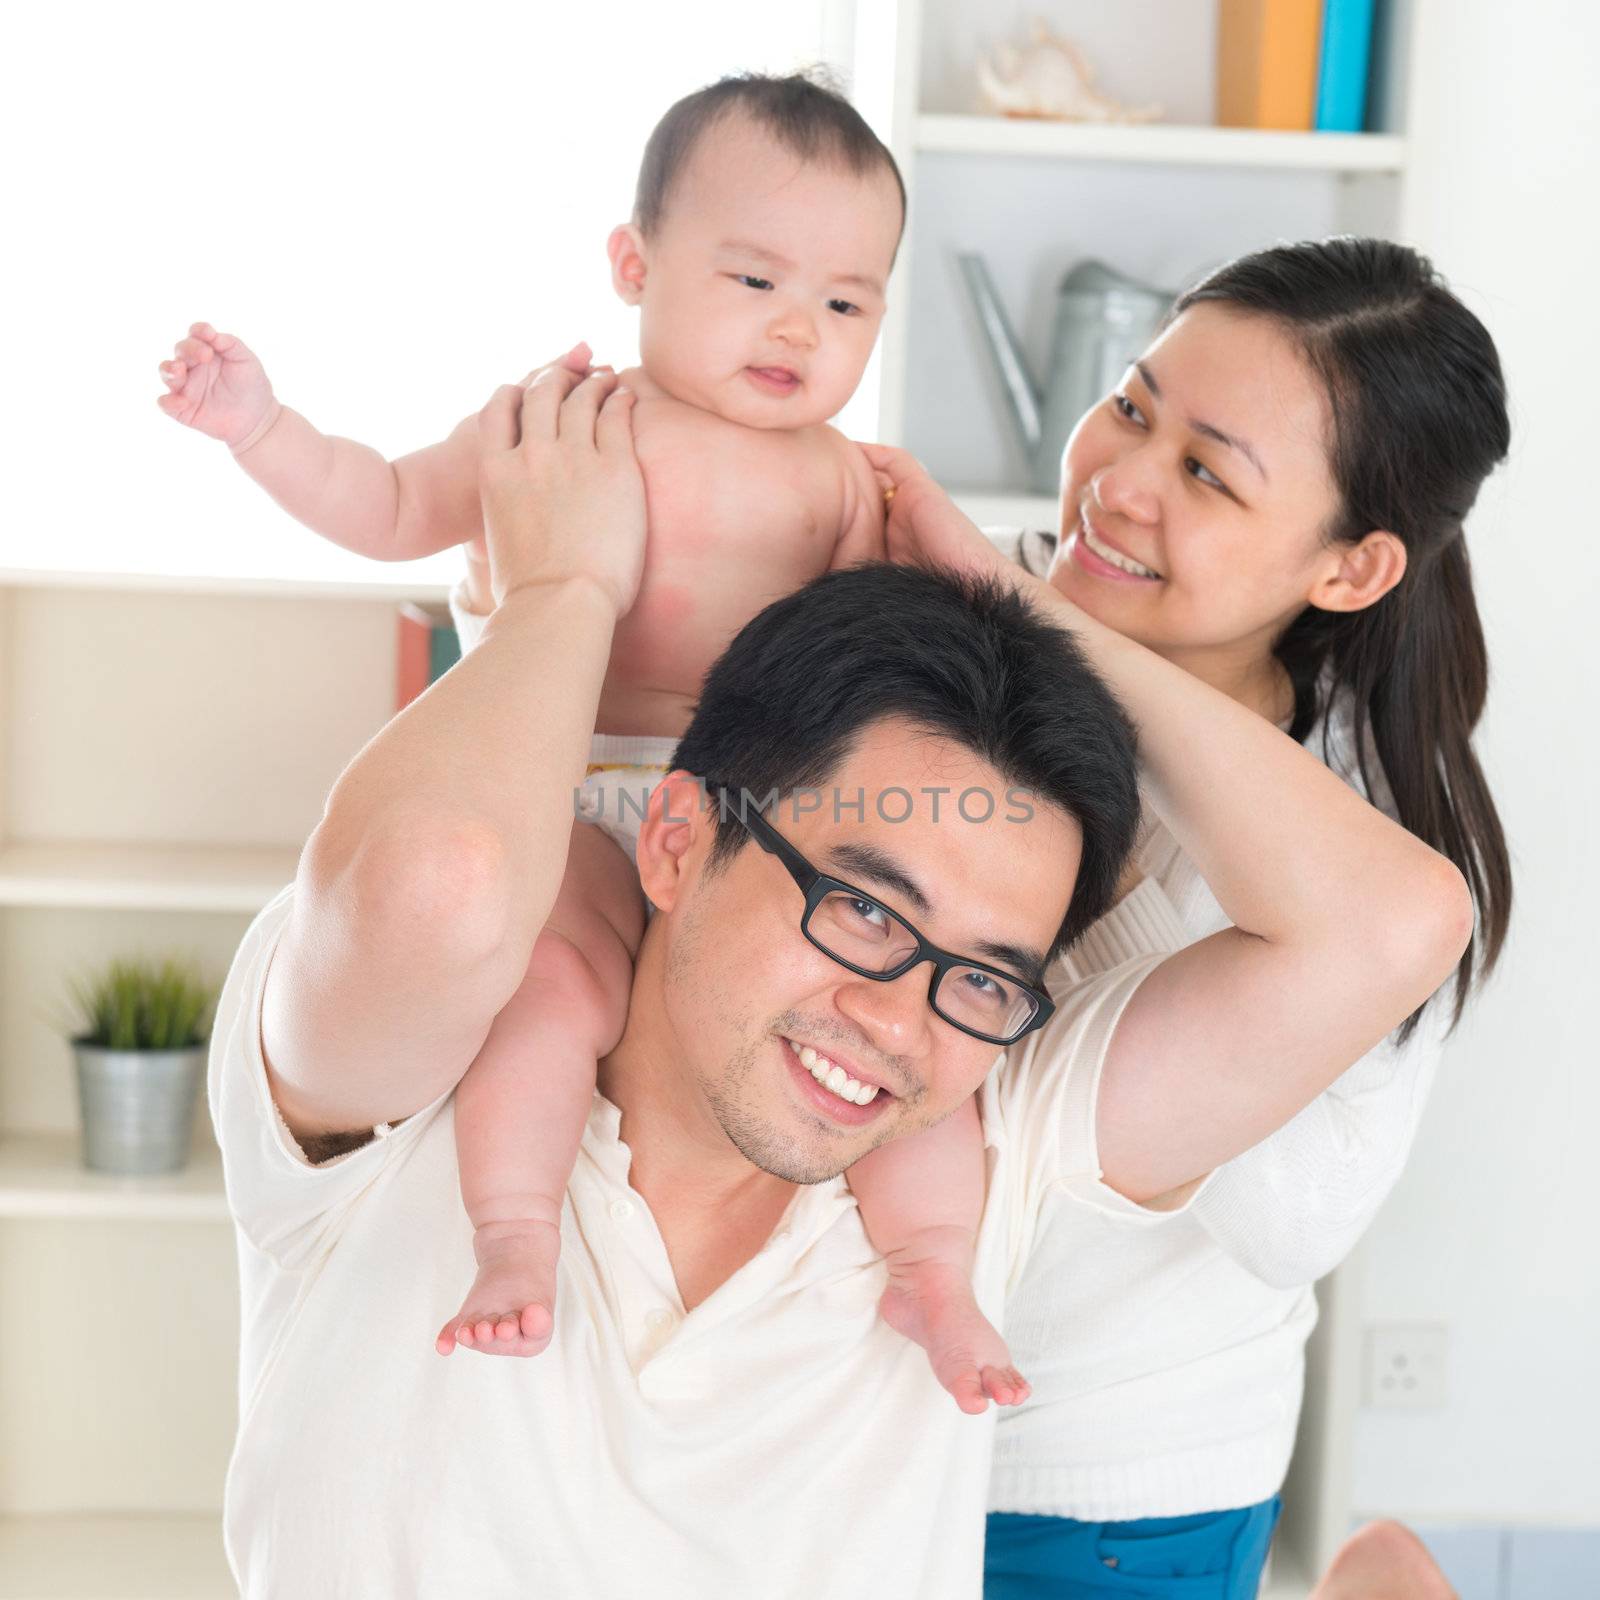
(1267, 63)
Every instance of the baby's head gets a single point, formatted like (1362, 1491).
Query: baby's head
(765, 224)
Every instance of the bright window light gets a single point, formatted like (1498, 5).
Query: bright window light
(398, 207)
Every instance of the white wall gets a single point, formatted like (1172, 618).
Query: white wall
(1493, 1230)
(398, 206)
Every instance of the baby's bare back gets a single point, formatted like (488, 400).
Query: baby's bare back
(738, 517)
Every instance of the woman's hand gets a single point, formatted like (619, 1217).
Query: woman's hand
(924, 526)
(562, 494)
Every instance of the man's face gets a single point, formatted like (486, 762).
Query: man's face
(743, 992)
(764, 283)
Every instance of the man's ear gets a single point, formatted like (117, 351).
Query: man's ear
(673, 837)
(626, 249)
(1366, 573)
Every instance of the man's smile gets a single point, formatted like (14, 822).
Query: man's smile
(832, 1090)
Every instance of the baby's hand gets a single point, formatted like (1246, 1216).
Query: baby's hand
(216, 385)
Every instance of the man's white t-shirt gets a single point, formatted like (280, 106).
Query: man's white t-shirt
(778, 1440)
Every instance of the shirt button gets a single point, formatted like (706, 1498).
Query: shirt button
(659, 1321)
(621, 1210)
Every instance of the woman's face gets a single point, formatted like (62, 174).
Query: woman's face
(1194, 497)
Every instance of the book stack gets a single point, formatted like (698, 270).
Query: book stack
(1293, 64)
(427, 649)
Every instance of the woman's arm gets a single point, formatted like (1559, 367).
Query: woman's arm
(1343, 923)
(1292, 1207)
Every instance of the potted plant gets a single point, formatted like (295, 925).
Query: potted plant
(139, 1059)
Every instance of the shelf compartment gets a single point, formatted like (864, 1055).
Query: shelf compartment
(113, 1558)
(1160, 144)
(144, 877)
(42, 1176)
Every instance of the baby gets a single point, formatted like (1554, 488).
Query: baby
(766, 221)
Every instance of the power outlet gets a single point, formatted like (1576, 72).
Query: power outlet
(1407, 1366)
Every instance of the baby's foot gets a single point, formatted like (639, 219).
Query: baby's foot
(510, 1308)
(931, 1302)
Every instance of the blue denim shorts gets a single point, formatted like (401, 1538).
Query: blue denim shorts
(1217, 1555)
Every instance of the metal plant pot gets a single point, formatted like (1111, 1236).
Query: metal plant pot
(138, 1106)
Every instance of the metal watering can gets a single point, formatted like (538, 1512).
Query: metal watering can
(1103, 321)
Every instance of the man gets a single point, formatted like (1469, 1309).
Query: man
(720, 1411)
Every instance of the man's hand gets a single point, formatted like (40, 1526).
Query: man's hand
(925, 527)
(215, 385)
(480, 590)
(562, 493)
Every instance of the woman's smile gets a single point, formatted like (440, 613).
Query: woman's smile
(1101, 558)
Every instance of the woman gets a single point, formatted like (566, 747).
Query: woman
(1273, 499)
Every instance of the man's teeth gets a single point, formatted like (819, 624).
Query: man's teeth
(1115, 557)
(835, 1078)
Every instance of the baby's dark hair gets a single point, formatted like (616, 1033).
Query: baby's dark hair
(803, 111)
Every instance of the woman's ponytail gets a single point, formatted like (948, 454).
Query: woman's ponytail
(1419, 420)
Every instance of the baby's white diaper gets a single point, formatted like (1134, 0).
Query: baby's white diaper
(623, 771)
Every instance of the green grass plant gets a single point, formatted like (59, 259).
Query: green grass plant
(144, 1005)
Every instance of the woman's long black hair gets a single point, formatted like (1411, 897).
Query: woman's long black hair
(1418, 407)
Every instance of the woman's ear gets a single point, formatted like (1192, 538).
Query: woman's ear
(1367, 571)
(676, 819)
(626, 250)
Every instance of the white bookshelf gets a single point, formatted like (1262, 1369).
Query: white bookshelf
(145, 806)
(144, 877)
(1159, 144)
(43, 1177)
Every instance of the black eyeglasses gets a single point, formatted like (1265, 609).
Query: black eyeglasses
(863, 934)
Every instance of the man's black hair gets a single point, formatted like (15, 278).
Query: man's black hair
(960, 657)
(803, 111)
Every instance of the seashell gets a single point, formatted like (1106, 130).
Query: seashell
(1049, 78)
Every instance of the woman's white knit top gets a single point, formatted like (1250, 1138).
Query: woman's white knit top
(1166, 1350)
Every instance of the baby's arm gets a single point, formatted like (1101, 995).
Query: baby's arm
(347, 492)
(862, 511)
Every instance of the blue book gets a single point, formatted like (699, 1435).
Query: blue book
(1342, 66)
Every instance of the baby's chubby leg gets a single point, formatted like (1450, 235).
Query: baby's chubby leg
(920, 1199)
(521, 1107)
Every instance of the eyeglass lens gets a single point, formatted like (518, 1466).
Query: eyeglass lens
(868, 935)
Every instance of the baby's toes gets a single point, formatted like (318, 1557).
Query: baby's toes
(536, 1322)
(1005, 1385)
(507, 1327)
(967, 1391)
